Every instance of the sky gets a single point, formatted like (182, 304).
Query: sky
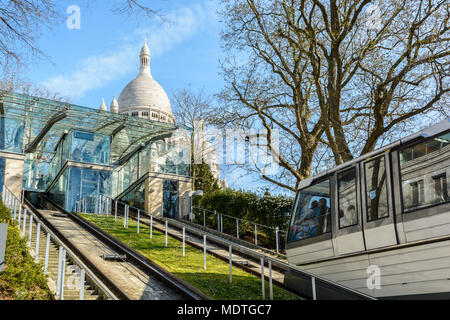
(99, 59)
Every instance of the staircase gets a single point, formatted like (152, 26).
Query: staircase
(72, 271)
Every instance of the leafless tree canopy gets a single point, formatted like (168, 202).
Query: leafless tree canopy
(336, 77)
(22, 22)
(190, 106)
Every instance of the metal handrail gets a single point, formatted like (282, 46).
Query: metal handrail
(60, 244)
(240, 219)
(268, 259)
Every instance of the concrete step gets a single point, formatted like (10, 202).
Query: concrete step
(71, 275)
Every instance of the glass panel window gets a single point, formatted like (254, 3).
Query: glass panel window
(90, 148)
(424, 174)
(376, 190)
(2, 173)
(348, 215)
(440, 187)
(312, 215)
(11, 135)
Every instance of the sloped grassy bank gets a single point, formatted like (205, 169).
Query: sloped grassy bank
(214, 281)
(22, 278)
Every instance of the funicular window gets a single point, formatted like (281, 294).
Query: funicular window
(348, 215)
(424, 170)
(312, 214)
(376, 190)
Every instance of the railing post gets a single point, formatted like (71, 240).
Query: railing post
(24, 222)
(221, 223)
(166, 231)
(58, 279)
(237, 228)
(204, 251)
(270, 280)
(151, 226)
(30, 230)
(63, 273)
(82, 280)
(138, 220)
(230, 249)
(47, 252)
(262, 279)
(20, 216)
(115, 211)
(218, 221)
(38, 233)
(125, 216)
(277, 239)
(256, 234)
(10, 200)
(314, 295)
(15, 209)
(96, 205)
(11, 197)
(204, 218)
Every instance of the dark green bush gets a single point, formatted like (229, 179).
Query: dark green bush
(272, 211)
(22, 278)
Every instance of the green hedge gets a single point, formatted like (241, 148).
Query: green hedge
(22, 278)
(272, 211)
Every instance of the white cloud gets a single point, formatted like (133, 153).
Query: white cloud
(96, 71)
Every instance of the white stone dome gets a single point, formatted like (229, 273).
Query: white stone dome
(114, 107)
(143, 96)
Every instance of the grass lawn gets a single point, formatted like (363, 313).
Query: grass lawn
(214, 281)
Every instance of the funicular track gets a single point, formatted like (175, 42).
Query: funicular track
(120, 294)
(323, 288)
(178, 287)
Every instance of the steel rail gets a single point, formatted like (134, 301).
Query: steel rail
(255, 257)
(78, 256)
(177, 284)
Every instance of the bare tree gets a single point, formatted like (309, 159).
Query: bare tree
(23, 21)
(334, 77)
(190, 106)
(193, 110)
(135, 7)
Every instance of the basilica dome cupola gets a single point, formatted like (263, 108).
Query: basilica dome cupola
(145, 58)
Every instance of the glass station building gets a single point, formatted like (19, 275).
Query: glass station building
(71, 152)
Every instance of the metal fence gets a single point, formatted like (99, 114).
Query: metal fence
(260, 235)
(25, 219)
(317, 286)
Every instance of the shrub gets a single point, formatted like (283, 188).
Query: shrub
(22, 278)
(272, 211)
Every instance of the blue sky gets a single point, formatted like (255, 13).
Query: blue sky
(99, 59)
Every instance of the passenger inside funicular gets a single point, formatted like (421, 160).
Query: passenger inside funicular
(312, 216)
